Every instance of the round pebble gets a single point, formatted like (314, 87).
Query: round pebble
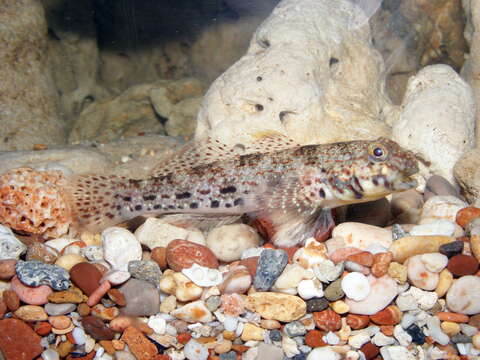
(460, 265)
(228, 242)
(120, 247)
(355, 286)
(383, 291)
(464, 295)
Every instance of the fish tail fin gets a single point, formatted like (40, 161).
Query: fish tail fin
(94, 200)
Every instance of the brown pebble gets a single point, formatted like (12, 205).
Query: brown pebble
(96, 328)
(117, 297)
(357, 322)
(461, 265)
(327, 320)
(159, 255)
(474, 321)
(364, 258)
(139, 345)
(7, 269)
(108, 346)
(182, 254)
(370, 350)
(64, 348)
(11, 299)
(381, 262)
(86, 276)
(251, 264)
(467, 214)
(391, 315)
(21, 343)
(83, 309)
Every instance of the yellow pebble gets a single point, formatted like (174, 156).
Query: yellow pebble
(252, 332)
(476, 340)
(444, 282)
(398, 272)
(69, 260)
(450, 328)
(223, 347)
(340, 307)
(229, 335)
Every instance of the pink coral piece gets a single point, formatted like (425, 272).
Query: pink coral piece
(98, 293)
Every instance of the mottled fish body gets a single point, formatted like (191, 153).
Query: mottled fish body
(287, 182)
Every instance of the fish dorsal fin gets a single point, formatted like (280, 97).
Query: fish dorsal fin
(210, 150)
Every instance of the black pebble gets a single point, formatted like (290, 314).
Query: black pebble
(451, 249)
(418, 337)
(317, 304)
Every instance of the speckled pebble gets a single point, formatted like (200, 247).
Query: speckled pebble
(36, 273)
(10, 246)
(270, 266)
(145, 270)
(295, 328)
(213, 303)
(317, 304)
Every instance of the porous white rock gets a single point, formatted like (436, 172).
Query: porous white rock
(437, 227)
(193, 350)
(120, 247)
(309, 288)
(60, 243)
(358, 340)
(10, 246)
(401, 335)
(157, 323)
(313, 96)
(228, 242)
(382, 340)
(441, 207)
(158, 233)
(292, 275)
(395, 353)
(437, 119)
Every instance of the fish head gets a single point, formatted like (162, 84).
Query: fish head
(372, 170)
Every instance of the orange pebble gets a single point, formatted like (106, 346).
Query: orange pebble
(467, 214)
(183, 338)
(42, 328)
(453, 317)
(387, 330)
(98, 293)
(269, 246)
(313, 338)
(70, 337)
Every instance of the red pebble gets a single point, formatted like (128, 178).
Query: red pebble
(467, 214)
(327, 320)
(370, 350)
(357, 322)
(314, 338)
(251, 264)
(461, 265)
(42, 328)
(183, 338)
(391, 315)
(182, 254)
(364, 258)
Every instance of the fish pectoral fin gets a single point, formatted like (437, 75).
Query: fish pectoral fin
(292, 227)
(210, 150)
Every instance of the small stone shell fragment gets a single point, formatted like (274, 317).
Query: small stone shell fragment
(203, 276)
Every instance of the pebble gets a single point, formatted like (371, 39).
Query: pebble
(396, 352)
(391, 315)
(116, 277)
(20, 336)
(295, 328)
(464, 295)
(148, 271)
(442, 207)
(317, 304)
(460, 265)
(323, 353)
(419, 275)
(181, 254)
(252, 332)
(138, 344)
(291, 276)
(50, 354)
(451, 249)
(434, 262)
(41, 252)
(410, 246)
(361, 236)
(96, 328)
(276, 306)
(308, 289)
(93, 252)
(193, 350)
(326, 271)
(228, 242)
(312, 253)
(467, 214)
(206, 277)
(436, 227)
(383, 291)
(73, 295)
(398, 272)
(36, 273)
(142, 298)
(31, 313)
(157, 233)
(38, 295)
(86, 276)
(7, 269)
(193, 312)
(120, 247)
(67, 261)
(10, 246)
(355, 286)
(327, 320)
(237, 280)
(59, 309)
(270, 265)
(179, 285)
(159, 255)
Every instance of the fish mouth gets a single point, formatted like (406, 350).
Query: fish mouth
(406, 183)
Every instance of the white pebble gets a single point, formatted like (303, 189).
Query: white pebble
(436, 227)
(396, 353)
(382, 340)
(406, 302)
(326, 271)
(308, 289)
(116, 277)
(193, 350)
(228, 242)
(434, 262)
(203, 276)
(323, 353)
(79, 336)
(433, 325)
(419, 275)
(120, 247)
(50, 354)
(157, 323)
(358, 340)
(289, 346)
(464, 295)
(468, 330)
(402, 336)
(230, 323)
(331, 338)
(93, 253)
(356, 286)
(407, 320)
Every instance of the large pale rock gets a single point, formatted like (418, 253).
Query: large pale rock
(438, 118)
(467, 173)
(472, 64)
(300, 77)
(28, 104)
(276, 306)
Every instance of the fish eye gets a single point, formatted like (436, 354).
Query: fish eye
(377, 152)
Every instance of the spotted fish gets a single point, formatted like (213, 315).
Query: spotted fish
(290, 184)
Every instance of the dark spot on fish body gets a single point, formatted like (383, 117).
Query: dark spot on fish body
(214, 204)
(149, 197)
(156, 206)
(194, 206)
(127, 198)
(238, 202)
(228, 189)
(109, 215)
(321, 193)
(184, 195)
(228, 205)
(138, 207)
